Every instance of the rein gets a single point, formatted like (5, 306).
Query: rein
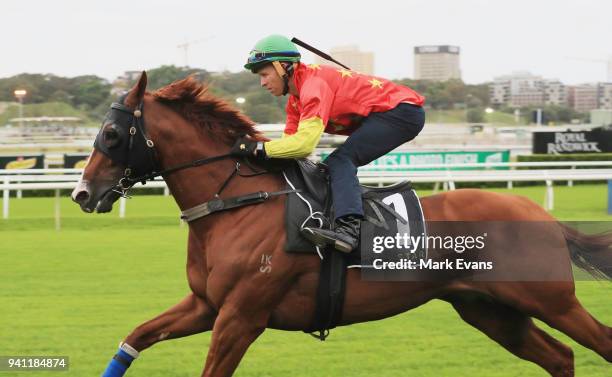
(127, 182)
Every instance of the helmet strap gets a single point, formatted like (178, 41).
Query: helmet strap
(285, 74)
(279, 68)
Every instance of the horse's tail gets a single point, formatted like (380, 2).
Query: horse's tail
(592, 253)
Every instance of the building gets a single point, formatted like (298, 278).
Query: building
(522, 89)
(584, 97)
(436, 63)
(352, 57)
(499, 92)
(555, 93)
(605, 96)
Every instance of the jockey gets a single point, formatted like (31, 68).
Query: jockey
(376, 114)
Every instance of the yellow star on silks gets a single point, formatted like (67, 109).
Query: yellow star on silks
(314, 66)
(376, 84)
(345, 73)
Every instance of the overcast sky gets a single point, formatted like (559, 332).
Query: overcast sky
(496, 37)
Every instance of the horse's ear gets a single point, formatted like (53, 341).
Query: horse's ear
(136, 94)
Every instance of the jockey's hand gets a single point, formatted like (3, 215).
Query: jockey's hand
(245, 147)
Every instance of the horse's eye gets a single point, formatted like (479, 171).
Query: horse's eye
(111, 136)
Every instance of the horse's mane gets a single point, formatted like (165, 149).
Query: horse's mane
(191, 99)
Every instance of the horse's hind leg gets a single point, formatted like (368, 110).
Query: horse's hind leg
(570, 317)
(517, 333)
(190, 316)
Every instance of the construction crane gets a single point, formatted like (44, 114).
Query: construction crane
(185, 46)
(608, 62)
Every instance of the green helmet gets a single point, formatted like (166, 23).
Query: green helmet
(272, 48)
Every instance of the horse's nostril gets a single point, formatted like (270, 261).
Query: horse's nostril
(82, 197)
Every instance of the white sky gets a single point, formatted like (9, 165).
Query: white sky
(497, 37)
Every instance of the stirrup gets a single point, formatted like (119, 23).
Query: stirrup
(321, 239)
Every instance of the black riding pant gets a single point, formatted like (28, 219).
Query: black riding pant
(378, 134)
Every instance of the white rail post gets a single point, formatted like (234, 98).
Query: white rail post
(549, 198)
(166, 191)
(609, 196)
(122, 201)
(450, 183)
(19, 194)
(571, 183)
(5, 199)
(58, 224)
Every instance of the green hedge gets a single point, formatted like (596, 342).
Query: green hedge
(566, 157)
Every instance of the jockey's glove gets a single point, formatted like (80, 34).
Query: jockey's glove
(245, 147)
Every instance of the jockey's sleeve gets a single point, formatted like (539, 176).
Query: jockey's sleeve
(293, 117)
(300, 144)
(304, 126)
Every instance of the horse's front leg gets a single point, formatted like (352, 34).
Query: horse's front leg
(190, 316)
(234, 331)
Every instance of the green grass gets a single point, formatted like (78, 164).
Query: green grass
(79, 291)
(50, 109)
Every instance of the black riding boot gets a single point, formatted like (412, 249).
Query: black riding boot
(344, 238)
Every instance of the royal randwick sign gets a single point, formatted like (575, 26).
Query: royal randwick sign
(594, 141)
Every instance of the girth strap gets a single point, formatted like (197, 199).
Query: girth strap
(218, 204)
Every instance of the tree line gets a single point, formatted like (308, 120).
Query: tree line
(92, 94)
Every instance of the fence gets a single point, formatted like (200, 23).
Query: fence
(58, 179)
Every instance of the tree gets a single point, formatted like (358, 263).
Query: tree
(475, 115)
(264, 113)
(166, 74)
(89, 91)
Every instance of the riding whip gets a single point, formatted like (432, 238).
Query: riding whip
(317, 52)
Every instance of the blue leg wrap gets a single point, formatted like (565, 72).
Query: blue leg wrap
(118, 365)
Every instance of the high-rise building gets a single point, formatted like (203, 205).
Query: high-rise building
(352, 57)
(436, 63)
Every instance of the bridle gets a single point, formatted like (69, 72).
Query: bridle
(142, 169)
(138, 155)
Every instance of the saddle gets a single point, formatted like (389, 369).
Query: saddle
(389, 211)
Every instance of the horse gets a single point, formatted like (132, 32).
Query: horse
(237, 297)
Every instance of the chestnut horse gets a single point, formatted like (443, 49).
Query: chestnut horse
(232, 295)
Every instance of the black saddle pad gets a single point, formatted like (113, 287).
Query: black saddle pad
(391, 213)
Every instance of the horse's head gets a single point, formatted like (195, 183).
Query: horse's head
(122, 151)
(178, 114)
